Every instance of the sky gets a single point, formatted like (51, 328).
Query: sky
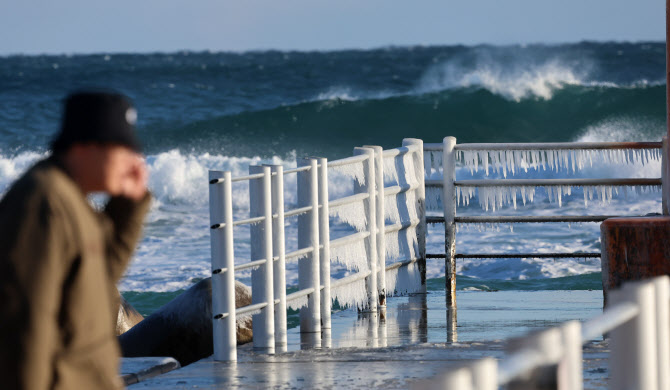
(85, 26)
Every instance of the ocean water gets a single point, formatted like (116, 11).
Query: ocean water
(226, 111)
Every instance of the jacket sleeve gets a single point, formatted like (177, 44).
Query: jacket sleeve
(127, 218)
(40, 261)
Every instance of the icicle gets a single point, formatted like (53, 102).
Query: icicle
(296, 304)
(353, 295)
(355, 171)
(427, 164)
(434, 198)
(403, 280)
(391, 212)
(392, 240)
(353, 255)
(352, 214)
(390, 169)
(437, 161)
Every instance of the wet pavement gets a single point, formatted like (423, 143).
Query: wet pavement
(416, 338)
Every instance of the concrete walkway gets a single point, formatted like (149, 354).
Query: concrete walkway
(415, 340)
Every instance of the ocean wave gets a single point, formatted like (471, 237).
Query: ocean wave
(515, 82)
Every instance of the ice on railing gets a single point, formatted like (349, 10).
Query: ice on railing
(352, 255)
(432, 163)
(403, 280)
(403, 169)
(433, 198)
(495, 197)
(484, 227)
(513, 161)
(411, 169)
(401, 244)
(354, 170)
(401, 207)
(390, 169)
(352, 295)
(353, 214)
(297, 303)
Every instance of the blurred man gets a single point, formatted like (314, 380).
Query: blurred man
(60, 259)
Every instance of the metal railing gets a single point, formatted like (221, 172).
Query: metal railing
(268, 257)
(508, 157)
(390, 192)
(638, 326)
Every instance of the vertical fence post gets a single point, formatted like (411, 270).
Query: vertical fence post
(570, 374)
(421, 199)
(662, 310)
(665, 185)
(308, 236)
(371, 210)
(381, 223)
(324, 238)
(449, 207)
(460, 379)
(262, 289)
(223, 266)
(485, 374)
(633, 362)
(279, 252)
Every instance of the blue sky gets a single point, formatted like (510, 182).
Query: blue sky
(85, 26)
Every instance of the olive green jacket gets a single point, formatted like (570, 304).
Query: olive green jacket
(60, 261)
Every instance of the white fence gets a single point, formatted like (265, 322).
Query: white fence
(638, 324)
(448, 192)
(392, 189)
(388, 187)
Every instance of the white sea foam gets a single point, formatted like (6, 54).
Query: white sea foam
(514, 81)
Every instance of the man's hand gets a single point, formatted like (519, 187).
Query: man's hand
(135, 181)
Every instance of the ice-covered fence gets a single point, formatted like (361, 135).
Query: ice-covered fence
(364, 251)
(442, 188)
(638, 325)
(405, 218)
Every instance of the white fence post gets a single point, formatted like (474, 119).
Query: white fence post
(223, 266)
(308, 236)
(570, 374)
(449, 207)
(417, 159)
(279, 252)
(460, 379)
(262, 289)
(662, 310)
(381, 223)
(371, 210)
(633, 356)
(485, 374)
(324, 238)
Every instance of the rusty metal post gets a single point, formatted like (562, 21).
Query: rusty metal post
(449, 207)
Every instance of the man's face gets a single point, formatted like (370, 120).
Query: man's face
(107, 168)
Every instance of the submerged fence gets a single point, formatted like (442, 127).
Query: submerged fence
(638, 325)
(392, 189)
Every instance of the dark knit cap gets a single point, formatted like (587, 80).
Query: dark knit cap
(99, 117)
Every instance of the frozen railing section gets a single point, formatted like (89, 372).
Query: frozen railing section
(512, 158)
(388, 221)
(445, 193)
(637, 323)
